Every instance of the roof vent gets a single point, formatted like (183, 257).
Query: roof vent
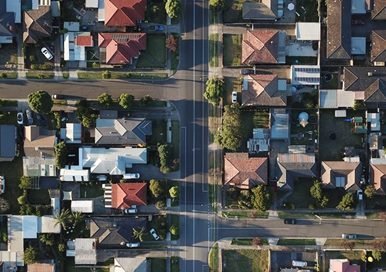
(369, 74)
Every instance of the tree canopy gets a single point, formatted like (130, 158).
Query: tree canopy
(214, 90)
(370, 191)
(317, 194)
(30, 255)
(25, 183)
(347, 202)
(156, 188)
(60, 154)
(105, 99)
(216, 4)
(164, 158)
(126, 101)
(40, 101)
(174, 192)
(173, 8)
(230, 134)
(260, 198)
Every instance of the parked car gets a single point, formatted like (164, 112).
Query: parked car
(360, 194)
(247, 71)
(290, 221)
(296, 263)
(20, 118)
(57, 96)
(29, 116)
(234, 97)
(349, 236)
(132, 245)
(47, 53)
(157, 28)
(130, 210)
(101, 178)
(2, 184)
(131, 176)
(154, 234)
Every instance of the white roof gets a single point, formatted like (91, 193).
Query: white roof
(48, 224)
(130, 264)
(83, 206)
(373, 118)
(85, 251)
(74, 175)
(101, 10)
(73, 52)
(308, 31)
(73, 133)
(333, 99)
(71, 26)
(30, 227)
(14, 6)
(91, 3)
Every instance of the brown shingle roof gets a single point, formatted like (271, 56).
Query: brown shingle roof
(378, 48)
(37, 24)
(244, 172)
(379, 10)
(41, 267)
(339, 29)
(39, 142)
(350, 171)
(263, 91)
(260, 46)
(378, 177)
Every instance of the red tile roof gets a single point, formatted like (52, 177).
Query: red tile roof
(123, 195)
(84, 41)
(124, 12)
(121, 48)
(260, 46)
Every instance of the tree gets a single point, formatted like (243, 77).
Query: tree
(76, 218)
(23, 198)
(63, 218)
(216, 4)
(230, 134)
(370, 191)
(164, 158)
(126, 101)
(138, 233)
(173, 8)
(4, 205)
(171, 43)
(156, 188)
(105, 99)
(213, 90)
(377, 255)
(40, 101)
(324, 201)
(174, 230)
(61, 247)
(260, 198)
(174, 192)
(316, 190)
(25, 183)
(359, 105)
(47, 239)
(146, 100)
(60, 154)
(347, 202)
(30, 255)
(88, 120)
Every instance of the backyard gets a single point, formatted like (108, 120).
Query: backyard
(91, 190)
(304, 135)
(245, 260)
(12, 190)
(155, 54)
(336, 134)
(354, 256)
(232, 47)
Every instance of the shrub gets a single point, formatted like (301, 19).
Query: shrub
(160, 204)
(174, 230)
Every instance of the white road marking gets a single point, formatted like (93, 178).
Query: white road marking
(184, 129)
(194, 125)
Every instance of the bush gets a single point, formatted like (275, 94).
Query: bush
(164, 158)
(126, 101)
(174, 192)
(173, 8)
(146, 100)
(160, 204)
(174, 230)
(106, 74)
(213, 90)
(60, 154)
(30, 255)
(22, 200)
(260, 198)
(377, 255)
(156, 188)
(40, 101)
(347, 202)
(369, 191)
(61, 247)
(25, 183)
(105, 99)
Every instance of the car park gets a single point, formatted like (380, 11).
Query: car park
(154, 234)
(132, 245)
(349, 236)
(234, 97)
(20, 118)
(30, 119)
(47, 53)
(290, 221)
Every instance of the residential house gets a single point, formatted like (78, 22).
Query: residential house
(75, 43)
(112, 232)
(121, 48)
(123, 12)
(266, 10)
(341, 174)
(7, 24)
(132, 131)
(378, 10)
(41, 267)
(263, 46)
(82, 205)
(335, 99)
(243, 171)
(378, 49)
(13, 6)
(124, 195)
(293, 166)
(74, 174)
(130, 264)
(7, 142)
(72, 133)
(378, 175)
(343, 265)
(264, 90)
(84, 251)
(307, 31)
(37, 24)
(260, 142)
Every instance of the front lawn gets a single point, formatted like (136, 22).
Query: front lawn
(296, 242)
(245, 214)
(245, 260)
(175, 264)
(231, 84)
(12, 172)
(213, 258)
(232, 49)
(40, 74)
(300, 197)
(155, 54)
(376, 202)
(91, 190)
(214, 45)
(157, 264)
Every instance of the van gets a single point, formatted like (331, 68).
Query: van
(299, 264)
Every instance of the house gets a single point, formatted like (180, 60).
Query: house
(132, 131)
(13, 6)
(341, 174)
(280, 125)
(343, 265)
(378, 10)
(7, 142)
(378, 175)
(264, 11)
(338, 45)
(7, 23)
(82, 206)
(124, 195)
(293, 166)
(123, 12)
(121, 48)
(111, 232)
(41, 267)
(264, 90)
(72, 133)
(336, 98)
(263, 46)
(307, 31)
(37, 24)
(75, 44)
(92, 4)
(74, 174)
(39, 142)
(130, 264)
(368, 83)
(243, 171)
(305, 75)
(378, 49)
(85, 251)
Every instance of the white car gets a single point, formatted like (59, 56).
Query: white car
(131, 176)
(132, 245)
(154, 234)
(20, 118)
(46, 53)
(234, 97)
(101, 178)
(130, 211)
(360, 194)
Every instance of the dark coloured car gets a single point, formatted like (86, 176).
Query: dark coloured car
(290, 221)
(157, 28)
(349, 236)
(247, 71)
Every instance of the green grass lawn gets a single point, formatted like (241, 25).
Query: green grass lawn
(246, 214)
(245, 260)
(176, 139)
(301, 198)
(213, 258)
(8, 74)
(261, 119)
(155, 54)
(214, 44)
(233, 11)
(376, 202)
(157, 264)
(96, 75)
(333, 83)
(334, 196)
(91, 190)
(353, 256)
(174, 264)
(332, 149)
(296, 242)
(12, 172)
(232, 49)
(158, 132)
(247, 242)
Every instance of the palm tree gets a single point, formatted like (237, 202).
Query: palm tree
(76, 218)
(47, 239)
(138, 233)
(62, 218)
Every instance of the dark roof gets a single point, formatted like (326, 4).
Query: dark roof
(257, 11)
(379, 10)
(37, 24)
(7, 21)
(378, 48)
(263, 91)
(339, 29)
(131, 131)
(7, 142)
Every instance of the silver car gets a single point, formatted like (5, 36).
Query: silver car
(46, 53)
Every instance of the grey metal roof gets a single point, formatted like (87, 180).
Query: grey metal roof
(7, 141)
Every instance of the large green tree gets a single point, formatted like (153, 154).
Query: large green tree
(60, 154)
(25, 183)
(156, 188)
(370, 191)
(230, 134)
(30, 255)
(174, 192)
(164, 158)
(105, 99)
(214, 90)
(138, 233)
(347, 202)
(40, 101)
(173, 8)
(126, 101)
(260, 198)
(63, 218)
